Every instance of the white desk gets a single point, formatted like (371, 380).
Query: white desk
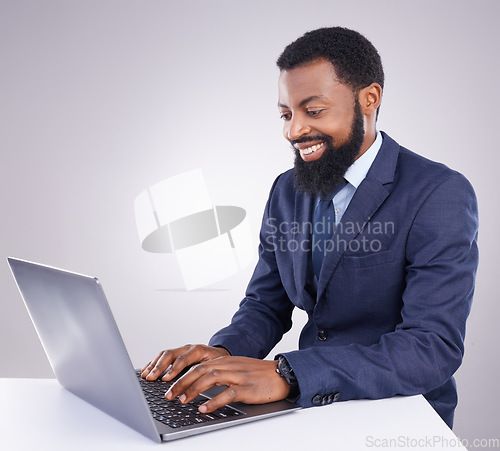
(38, 414)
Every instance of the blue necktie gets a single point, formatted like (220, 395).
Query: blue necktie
(323, 228)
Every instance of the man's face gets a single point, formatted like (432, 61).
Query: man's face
(324, 124)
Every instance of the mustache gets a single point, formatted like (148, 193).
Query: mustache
(306, 139)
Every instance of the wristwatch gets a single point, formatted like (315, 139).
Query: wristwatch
(285, 371)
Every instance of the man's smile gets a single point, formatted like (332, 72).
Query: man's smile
(308, 152)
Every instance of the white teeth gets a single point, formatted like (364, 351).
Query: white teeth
(312, 149)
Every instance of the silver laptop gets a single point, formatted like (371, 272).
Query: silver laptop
(82, 342)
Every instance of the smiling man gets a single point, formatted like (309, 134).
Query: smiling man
(375, 243)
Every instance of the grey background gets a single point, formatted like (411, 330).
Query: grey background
(101, 99)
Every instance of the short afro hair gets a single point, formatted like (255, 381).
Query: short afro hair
(354, 58)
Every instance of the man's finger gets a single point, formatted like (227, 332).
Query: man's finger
(184, 382)
(181, 362)
(231, 394)
(144, 368)
(160, 364)
(179, 359)
(193, 355)
(208, 380)
(203, 376)
(148, 368)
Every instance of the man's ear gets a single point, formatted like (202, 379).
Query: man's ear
(370, 98)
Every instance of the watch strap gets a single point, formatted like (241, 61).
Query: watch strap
(286, 372)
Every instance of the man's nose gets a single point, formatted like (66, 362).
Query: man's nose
(298, 128)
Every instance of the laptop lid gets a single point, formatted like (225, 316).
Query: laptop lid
(82, 342)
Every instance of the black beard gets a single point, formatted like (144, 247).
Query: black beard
(321, 177)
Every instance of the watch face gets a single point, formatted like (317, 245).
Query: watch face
(286, 370)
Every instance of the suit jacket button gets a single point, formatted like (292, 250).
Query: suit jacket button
(317, 400)
(336, 397)
(322, 335)
(330, 398)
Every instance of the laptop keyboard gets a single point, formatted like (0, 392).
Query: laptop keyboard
(173, 413)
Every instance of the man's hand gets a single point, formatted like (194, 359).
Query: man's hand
(251, 381)
(180, 358)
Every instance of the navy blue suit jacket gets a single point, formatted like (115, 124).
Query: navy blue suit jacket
(395, 289)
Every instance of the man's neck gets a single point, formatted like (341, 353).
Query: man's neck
(369, 139)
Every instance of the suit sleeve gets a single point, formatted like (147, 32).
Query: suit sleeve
(426, 348)
(265, 313)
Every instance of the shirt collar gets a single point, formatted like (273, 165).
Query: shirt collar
(358, 170)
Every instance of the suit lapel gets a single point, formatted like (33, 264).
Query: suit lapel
(370, 194)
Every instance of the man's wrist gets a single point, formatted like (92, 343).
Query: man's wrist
(222, 347)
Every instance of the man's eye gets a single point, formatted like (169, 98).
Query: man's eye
(313, 112)
(285, 116)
